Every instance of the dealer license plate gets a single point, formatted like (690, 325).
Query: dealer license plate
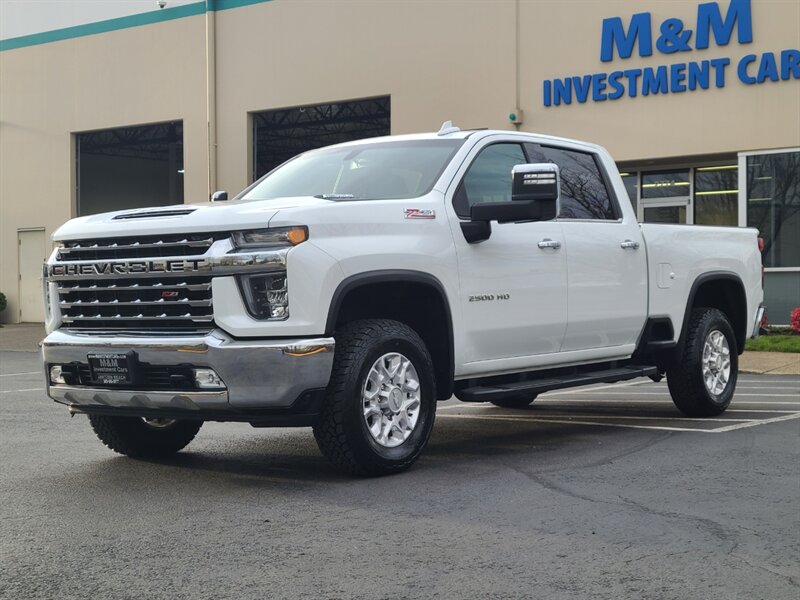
(115, 368)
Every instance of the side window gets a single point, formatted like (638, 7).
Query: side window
(489, 177)
(584, 194)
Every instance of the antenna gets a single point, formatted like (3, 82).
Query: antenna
(447, 127)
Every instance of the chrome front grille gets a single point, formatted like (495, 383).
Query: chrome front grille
(151, 246)
(169, 302)
(162, 299)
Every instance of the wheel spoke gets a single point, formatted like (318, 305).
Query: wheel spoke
(391, 399)
(716, 363)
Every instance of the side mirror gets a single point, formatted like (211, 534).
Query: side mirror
(219, 196)
(534, 197)
(538, 182)
(535, 191)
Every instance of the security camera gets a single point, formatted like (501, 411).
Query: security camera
(161, 3)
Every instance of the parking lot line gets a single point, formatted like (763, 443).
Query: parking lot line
(758, 410)
(767, 387)
(626, 403)
(25, 390)
(758, 422)
(618, 393)
(26, 373)
(628, 417)
(561, 421)
(575, 422)
(605, 386)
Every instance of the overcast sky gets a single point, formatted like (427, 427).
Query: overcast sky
(23, 17)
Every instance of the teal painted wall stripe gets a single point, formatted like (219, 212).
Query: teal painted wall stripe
(148, 18)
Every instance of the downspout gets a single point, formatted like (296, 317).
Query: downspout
(517, 74)
(211, 94)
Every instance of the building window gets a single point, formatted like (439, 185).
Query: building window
(129, 167)
(666, 196)
(716, 195)
(703, 195)
(281, 134)
(773, 205)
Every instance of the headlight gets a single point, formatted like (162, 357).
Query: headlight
(264, 238)
(266, 295)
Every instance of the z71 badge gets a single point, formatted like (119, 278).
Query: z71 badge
(420, 213)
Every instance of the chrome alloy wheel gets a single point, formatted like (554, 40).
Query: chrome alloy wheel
(158, 423)
(391, 399)
(716, 362)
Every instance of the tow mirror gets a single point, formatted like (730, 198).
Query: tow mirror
(539, 182)
(535, 190)
(219, 196)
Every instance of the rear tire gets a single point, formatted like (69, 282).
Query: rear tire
(140, 438)
(702, 379)
(517, 401)
(380, 404)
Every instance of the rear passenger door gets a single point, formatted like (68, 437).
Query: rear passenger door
(606, 258)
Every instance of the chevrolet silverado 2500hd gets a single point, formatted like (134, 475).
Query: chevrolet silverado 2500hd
(354, 286)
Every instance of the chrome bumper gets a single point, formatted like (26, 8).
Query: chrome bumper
(257, 374)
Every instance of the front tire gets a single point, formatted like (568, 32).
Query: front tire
(381, 402)
(144, 438)
(702, 379)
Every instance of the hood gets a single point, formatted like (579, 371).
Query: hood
(183, 218)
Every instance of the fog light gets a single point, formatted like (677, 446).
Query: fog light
(57, 375)
(267, 296)
(207, 379)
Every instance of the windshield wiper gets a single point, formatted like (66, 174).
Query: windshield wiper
(335, 196)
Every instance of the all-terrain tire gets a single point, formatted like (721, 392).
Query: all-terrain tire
(516, 401)
(341, 430)
(136, 438)
(687, 375)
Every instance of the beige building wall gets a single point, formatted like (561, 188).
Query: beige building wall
(471, 61)
(437, 61)
(563, 39)
(50, 91)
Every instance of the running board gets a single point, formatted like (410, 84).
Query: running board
(487, 393)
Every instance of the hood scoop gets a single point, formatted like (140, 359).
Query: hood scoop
(151, 214)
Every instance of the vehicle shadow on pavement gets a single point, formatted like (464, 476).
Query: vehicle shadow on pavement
(293, 462)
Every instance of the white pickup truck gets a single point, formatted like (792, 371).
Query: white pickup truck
(354, 286)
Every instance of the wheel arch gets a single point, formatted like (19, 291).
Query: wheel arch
(724, 291)
(390, 294)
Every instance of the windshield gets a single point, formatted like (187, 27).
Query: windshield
(376, 171)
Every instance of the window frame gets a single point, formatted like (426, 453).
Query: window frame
(460, 185)
(612, 195)
(522, 142)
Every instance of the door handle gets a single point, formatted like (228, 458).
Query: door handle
(548, 243)
(629, 245)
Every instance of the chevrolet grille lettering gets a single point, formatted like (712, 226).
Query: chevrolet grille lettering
(126, 268)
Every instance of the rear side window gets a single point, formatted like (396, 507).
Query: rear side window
(584, 194)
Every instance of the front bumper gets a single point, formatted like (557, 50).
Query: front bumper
(259, 376)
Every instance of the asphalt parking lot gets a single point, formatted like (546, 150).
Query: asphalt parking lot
(601, 492)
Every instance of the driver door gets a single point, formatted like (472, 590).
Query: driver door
(513, 285)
